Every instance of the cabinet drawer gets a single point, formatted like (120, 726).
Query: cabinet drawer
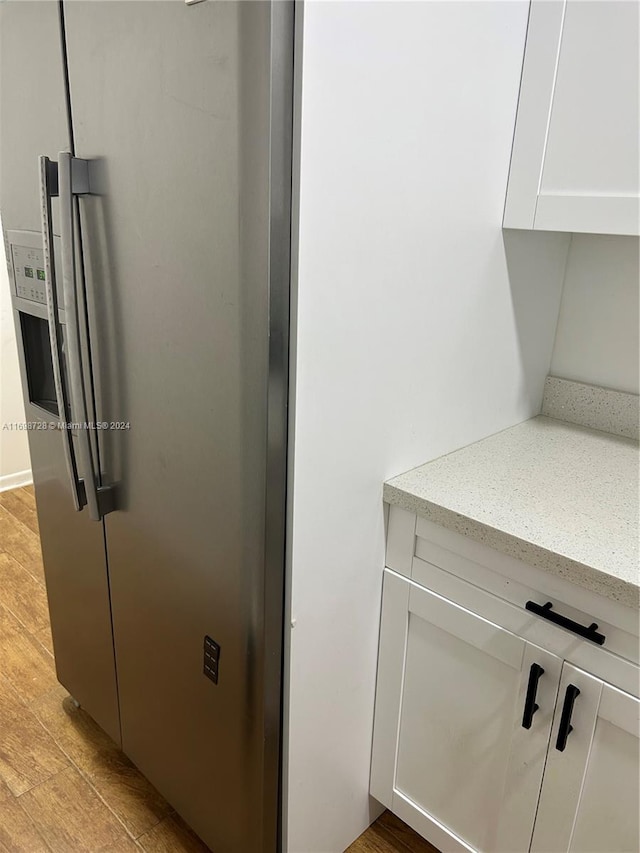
(436, 566)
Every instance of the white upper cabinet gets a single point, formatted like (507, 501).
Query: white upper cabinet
(576, 150)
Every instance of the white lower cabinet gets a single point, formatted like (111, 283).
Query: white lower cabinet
(461, 745)
(469, 721)
(591, 794)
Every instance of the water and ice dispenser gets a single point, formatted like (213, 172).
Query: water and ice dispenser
(25, 258)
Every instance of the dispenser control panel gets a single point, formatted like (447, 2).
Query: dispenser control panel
(28, 273)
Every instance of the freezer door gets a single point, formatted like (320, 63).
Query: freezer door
(34, 121)
(185, 114)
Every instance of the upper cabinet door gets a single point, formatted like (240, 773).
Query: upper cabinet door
(590, 794)
(576, 152)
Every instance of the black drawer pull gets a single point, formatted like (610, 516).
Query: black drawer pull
(530, 706)
(565, 728)
(544, 610)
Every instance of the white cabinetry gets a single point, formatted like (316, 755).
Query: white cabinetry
(589, 800)
(461, 748)
(488, 736)
(576, 151)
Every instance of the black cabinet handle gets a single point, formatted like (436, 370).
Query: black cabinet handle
(530, 706)
(545, 610)
(565, 728)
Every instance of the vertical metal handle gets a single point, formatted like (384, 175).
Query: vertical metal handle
(49, 188)
(73, 178)
(565, 728)
(530, 706)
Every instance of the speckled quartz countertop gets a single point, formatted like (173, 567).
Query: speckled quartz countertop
(556, 495)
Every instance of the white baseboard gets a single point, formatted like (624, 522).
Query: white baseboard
(14, 481)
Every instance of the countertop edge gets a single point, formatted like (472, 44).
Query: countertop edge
(580, 574)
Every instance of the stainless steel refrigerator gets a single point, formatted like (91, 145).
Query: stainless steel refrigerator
(145, 192)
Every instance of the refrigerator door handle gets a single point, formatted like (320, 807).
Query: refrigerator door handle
(73, 180)
(48, 189)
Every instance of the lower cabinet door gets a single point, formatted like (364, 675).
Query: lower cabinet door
(591, 790)
(460, 739)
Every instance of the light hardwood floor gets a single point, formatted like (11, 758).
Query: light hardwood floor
(64, 785)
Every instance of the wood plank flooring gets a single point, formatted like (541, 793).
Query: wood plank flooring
(390, 835)
(64, 785)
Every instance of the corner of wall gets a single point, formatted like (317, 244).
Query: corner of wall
(15, 464)
(536, 264)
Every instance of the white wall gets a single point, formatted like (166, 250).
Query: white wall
(598, 326)
(15, 466)
(414, 337)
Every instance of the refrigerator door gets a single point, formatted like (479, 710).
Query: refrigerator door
(34, 122)
(185, 114)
